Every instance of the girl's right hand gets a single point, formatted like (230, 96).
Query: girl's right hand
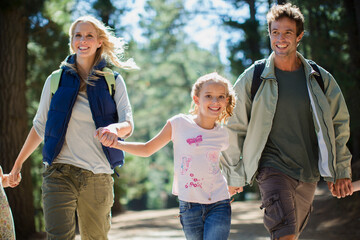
(234, 190)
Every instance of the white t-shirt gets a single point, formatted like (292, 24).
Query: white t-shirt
(80, 148)
(197, 174)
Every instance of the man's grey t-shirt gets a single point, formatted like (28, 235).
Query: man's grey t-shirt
(292, 144)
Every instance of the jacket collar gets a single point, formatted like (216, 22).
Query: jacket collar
(269, 70)
(72, 58)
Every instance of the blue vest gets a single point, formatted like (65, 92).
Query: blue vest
(103, 109)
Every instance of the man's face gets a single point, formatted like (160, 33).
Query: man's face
(283, 37)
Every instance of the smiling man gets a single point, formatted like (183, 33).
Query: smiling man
(288, 130)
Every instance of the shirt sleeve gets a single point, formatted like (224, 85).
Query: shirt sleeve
(40, 118)
(123, 106)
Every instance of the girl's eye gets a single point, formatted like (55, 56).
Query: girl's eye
(222, 97)
(77, 35)
(89, 36)
(208, 96)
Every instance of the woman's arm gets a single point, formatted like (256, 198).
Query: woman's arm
(32, 141)
(137, 148)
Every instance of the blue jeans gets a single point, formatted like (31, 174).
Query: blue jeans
(206, 221)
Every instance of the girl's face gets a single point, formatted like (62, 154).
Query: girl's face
(212, 100)
(85, 41)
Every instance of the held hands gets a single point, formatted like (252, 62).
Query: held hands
(107, 135)
(341, 188)
(7, 179)
(235, 190)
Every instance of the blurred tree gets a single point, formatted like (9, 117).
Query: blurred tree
(247, 50)
(14, 24)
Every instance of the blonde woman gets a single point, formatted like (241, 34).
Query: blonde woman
(77, 174)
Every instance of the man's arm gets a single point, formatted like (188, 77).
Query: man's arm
(341, 119)
(231, 159)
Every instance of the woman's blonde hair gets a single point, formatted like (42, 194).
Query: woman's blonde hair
(230, 94)
(112, 48)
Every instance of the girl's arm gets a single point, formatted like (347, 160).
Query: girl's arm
(356, 185)
(32, 141)
(141, 149)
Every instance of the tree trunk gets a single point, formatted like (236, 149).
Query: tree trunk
(13, 127)
(353, 30)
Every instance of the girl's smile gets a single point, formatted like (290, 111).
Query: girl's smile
(211, 102)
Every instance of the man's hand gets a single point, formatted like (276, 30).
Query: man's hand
(341, 188)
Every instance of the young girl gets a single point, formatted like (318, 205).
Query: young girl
(198, 139)
(7, 229)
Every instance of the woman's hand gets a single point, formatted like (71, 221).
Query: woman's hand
(107, 136)
(14, 177)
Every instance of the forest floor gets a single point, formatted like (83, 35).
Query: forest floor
(329, 220)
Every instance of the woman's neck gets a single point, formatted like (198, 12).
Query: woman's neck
(84, 66)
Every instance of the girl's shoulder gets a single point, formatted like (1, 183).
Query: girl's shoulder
(181, 117)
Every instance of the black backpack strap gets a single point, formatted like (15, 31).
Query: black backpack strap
(318, 77)
(259, 68)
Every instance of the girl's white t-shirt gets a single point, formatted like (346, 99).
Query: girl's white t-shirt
(197, 173)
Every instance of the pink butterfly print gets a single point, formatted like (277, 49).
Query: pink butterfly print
(195, 140)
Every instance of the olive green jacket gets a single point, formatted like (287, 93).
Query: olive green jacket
(251, 124)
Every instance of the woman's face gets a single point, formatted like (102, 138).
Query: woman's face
(85, 40)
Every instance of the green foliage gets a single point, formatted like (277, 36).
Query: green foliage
(170, 64)
(47, 47)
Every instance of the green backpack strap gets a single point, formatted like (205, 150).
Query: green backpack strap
(108, 74)
(110, 80)
(54, 80)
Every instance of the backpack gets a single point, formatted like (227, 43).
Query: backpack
(108, 74)
(259, 68)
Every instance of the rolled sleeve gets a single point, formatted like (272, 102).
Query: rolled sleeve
(40, 118)
(123, 106)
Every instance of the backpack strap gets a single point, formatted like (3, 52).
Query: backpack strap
(259, 68)
(108, 74)
(110, 80)
(318, 77)
(55, 80)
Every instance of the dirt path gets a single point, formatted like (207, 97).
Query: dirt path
(327, 222)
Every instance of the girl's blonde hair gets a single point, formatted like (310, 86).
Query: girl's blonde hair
(230, 94)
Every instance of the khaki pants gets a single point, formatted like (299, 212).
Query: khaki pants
(287, 202)
(67, 189)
